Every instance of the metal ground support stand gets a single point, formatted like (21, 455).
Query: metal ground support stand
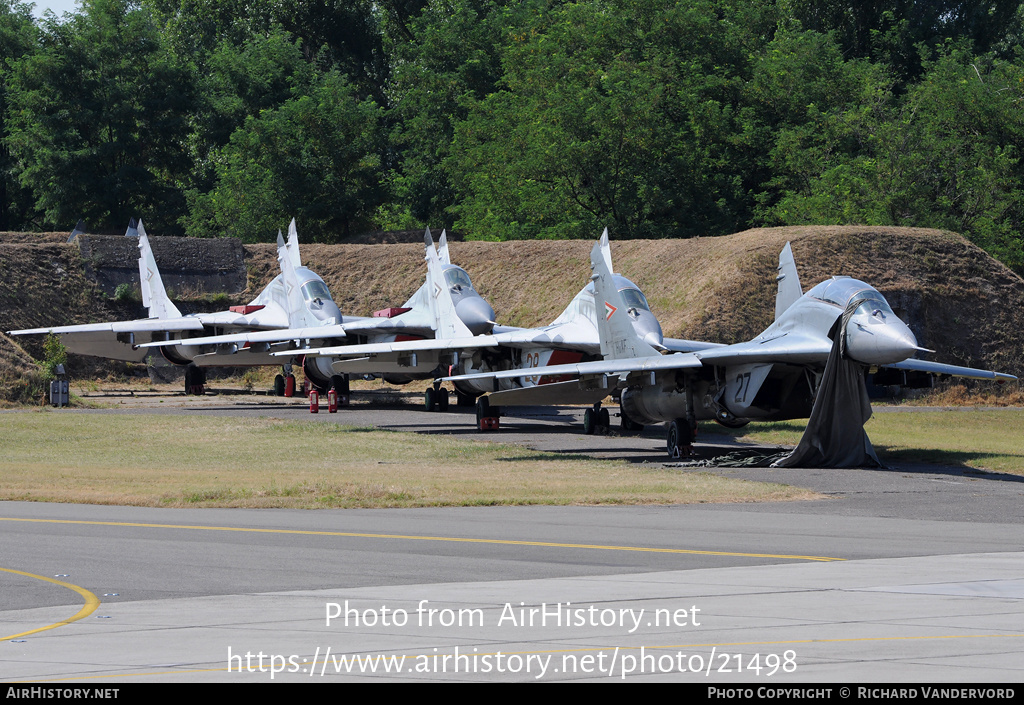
(60, 388)
(195, 380)
(486, 415)
(340, 385)
(596, 420)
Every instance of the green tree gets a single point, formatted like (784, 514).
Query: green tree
(17, 39)
(240, 81)
(345, 35)
(625, 114)
(947, 154)
(315, 158)
(891, 30)
(98, 114)
(445, 59)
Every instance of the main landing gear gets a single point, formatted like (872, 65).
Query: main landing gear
(284, 385)
(681, 435)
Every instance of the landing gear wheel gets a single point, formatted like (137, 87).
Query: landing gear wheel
(430, 399)
(442, 399)
(680, 439)
(596, 420)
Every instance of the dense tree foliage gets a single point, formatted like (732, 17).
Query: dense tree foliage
(516, 119)
(96, 117)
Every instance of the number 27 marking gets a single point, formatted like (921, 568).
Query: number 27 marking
(742, 386)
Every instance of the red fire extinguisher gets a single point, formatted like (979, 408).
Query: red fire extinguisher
(332, 401)
(314, 401)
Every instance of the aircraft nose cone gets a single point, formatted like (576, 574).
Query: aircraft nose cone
(880, 344)
(648, 328)
(476, 313)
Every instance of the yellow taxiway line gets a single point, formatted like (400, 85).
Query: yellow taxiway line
(456, 539)
(91, 603)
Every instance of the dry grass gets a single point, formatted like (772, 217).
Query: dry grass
(218, 462)
(978, 394)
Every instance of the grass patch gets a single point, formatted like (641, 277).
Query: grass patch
(989, 439)
(186, 461)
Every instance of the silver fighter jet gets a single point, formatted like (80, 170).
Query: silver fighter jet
(814, 357)
(572, 337)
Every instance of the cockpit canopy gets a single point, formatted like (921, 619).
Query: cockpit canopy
(634, 298)
(315, 289)
(457, 278)
(840, 291)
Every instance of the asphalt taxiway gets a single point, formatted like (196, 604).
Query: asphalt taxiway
(911, 574)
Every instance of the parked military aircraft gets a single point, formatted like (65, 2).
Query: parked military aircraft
(124, 340)
(841, 326)
(573, 336)
(461, 311)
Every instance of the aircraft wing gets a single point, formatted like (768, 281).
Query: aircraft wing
(549, 337)
(114, 340)
(785, 347)
(566, 336)
(597, 367)
(261, 336)
(402, 346)
(937, 368)
(142, 325)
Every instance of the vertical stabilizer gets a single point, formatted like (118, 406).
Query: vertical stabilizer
(442, 248)
(295, 304)
(619, 339)
(447, 323)
(293, 245)
(154, 296)
(789, 282)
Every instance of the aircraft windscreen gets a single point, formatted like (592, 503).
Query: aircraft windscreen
(873, 303)
(315, 290)
(634, 298)
(841, 290)
(457, 278)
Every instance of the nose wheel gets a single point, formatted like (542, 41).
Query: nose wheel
(436, 398)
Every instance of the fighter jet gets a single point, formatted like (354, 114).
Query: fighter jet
(811, 361)
(461, 311)
(125, 340)
(571, 337)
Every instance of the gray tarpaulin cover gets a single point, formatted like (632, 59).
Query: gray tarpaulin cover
(835, 436)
